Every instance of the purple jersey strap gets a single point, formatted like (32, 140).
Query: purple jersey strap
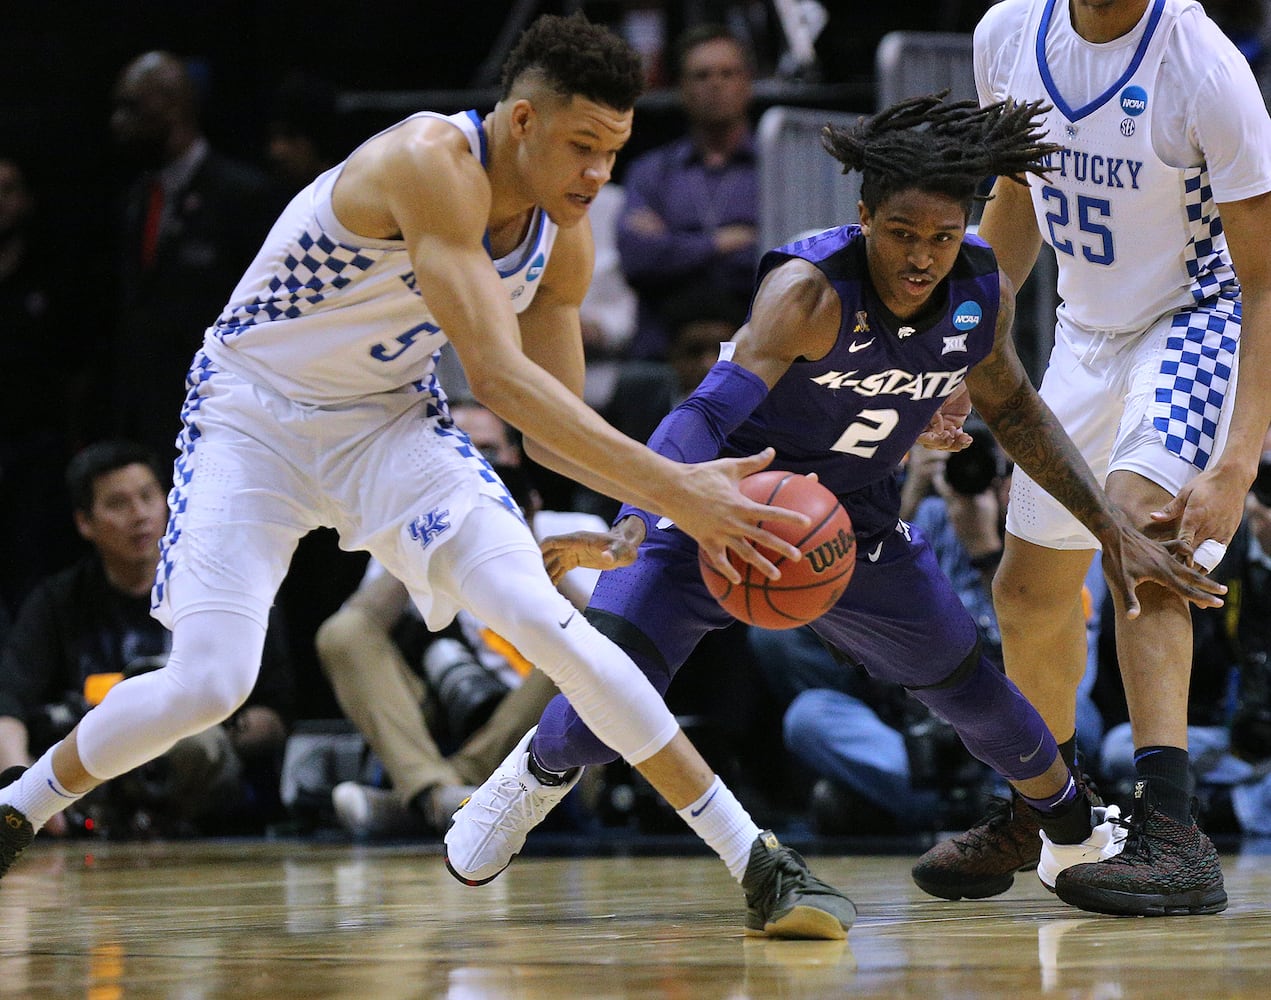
(695, 430)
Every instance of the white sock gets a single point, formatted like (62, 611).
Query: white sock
(719, 819)
(37, 794)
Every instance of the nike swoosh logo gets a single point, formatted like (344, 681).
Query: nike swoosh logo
(854, 346)
(697, 812)
(1025, 760)
(873, 556)
(567, 620)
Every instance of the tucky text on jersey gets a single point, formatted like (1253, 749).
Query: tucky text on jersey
(1105, 171)
(895, 382)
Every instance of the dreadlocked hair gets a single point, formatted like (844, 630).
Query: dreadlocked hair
(576, 57)
(941, 147)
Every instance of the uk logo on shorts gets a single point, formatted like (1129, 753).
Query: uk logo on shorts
(428, 526)
(968, 315)
(1134, 101)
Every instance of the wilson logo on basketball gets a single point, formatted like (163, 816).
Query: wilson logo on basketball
(825, 555)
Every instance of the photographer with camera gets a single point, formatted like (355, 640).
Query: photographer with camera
(1229, 736)
(87, 627)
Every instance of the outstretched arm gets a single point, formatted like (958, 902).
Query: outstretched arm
(1035, 440)
(439, 197)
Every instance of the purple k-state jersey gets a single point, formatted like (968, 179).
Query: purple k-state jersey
(852, 416)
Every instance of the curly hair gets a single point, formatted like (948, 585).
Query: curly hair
(576, 57)
(941, 147)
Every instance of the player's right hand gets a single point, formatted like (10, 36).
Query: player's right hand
(710, 508)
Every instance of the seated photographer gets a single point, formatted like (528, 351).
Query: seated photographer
(88, 627)
(883, 763)
(414, 696)
(1230, 738)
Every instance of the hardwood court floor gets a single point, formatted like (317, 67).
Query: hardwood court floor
(287, 920)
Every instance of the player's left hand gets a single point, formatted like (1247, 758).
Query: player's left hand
(591, 549)
(944, 431)
(1210, 506)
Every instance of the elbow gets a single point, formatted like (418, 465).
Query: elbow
(491, 386)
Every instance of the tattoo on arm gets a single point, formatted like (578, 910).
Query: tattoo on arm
(1030, 433)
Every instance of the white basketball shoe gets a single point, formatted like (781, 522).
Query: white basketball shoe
(489, 830)
(1105, 841)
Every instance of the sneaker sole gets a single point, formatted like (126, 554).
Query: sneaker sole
(473, 881)
(806, 923)
(1143, 904)
(982, 889)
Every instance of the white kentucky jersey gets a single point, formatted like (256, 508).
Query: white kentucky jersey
(324, 316)
(1155, 128)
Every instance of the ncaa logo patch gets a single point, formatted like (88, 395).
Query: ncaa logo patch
(1134, 101)
(535, 268)
(967, 316)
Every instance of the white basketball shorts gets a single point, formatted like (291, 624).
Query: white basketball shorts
(257, 471)
(1156, 403)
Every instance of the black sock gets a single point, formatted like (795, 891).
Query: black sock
(1068, 751)
(1071, 825)
(546, 776)
(1168, 773)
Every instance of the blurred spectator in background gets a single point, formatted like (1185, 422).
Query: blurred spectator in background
(1247, 24)
(608, 312)
(42, 381)
(690, 220)
(88, 627)
(191, 221)
(303, 134)
(958, 501)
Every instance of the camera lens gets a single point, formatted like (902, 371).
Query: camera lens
(466, 691)
(973, 469)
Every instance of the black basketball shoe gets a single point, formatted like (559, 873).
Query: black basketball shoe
(1166, 868)
(16, 832)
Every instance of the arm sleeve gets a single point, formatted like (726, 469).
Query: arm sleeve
(696, 430)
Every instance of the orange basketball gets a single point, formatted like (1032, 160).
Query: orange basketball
(807, 588)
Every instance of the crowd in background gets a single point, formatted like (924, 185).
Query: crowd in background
(96, 331)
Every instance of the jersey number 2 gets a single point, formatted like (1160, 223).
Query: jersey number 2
(861, 438)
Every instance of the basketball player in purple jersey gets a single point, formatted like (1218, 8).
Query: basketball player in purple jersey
(855, 339)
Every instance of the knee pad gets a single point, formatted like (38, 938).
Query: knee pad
(995, 722)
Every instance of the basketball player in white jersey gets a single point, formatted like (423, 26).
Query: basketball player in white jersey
(315, 402)
(1158, 209)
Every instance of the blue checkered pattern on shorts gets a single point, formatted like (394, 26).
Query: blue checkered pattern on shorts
(464, 446)
(183, 469)
(1200, 355)
(316, 266)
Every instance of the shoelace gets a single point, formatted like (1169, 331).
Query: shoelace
(999, 814)
(1138, 839)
